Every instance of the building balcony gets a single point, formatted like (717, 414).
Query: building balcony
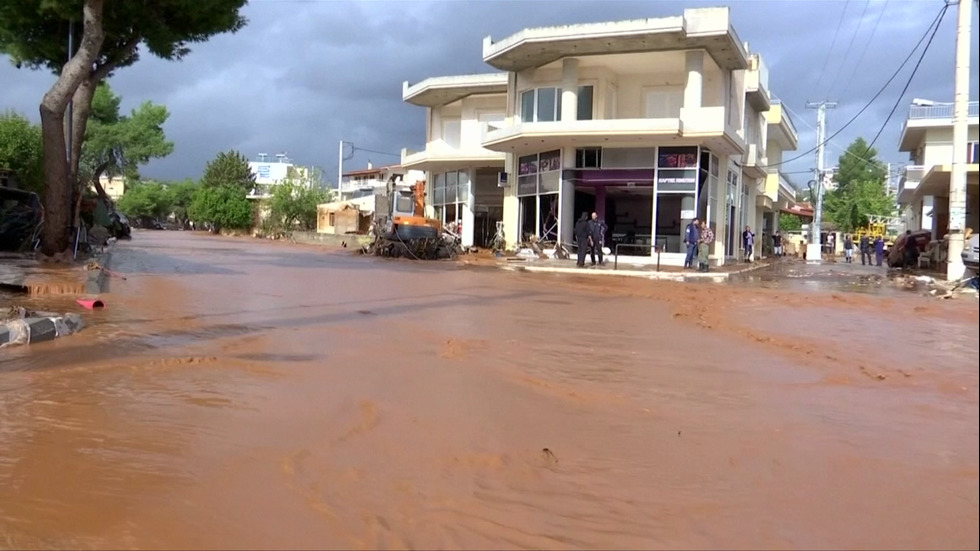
(782, 131)
(909, 180)
(439, 157)
(754, 162)
(757, 84)
(351, 185)
(935, 115)
(436, 91)
(706, 29)
(695, 126)
(777, 189)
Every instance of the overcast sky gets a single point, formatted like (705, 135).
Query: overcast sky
(305, 74)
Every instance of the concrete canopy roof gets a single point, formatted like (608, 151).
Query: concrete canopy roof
(708, 29)
(436, 91)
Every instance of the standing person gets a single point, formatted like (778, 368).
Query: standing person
(748, 242)
(832, 245)
(848, 249)
(583, 238)
(692, 238)
(707, 238)
(597, 227)
(879, 246)
(865, 245)
(911, 250)
(777, 244)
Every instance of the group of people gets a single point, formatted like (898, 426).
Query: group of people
(590, 236)
(867, 247)
(698, 237)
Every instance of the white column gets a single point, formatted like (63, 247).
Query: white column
(569, 89)
(957, 180)
(511, 204)
(566, 204)
(694, 86)
(467, 235)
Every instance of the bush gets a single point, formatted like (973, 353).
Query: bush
(222, 207)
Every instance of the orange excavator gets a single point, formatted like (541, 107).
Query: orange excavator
(407, 213)
(402, 229)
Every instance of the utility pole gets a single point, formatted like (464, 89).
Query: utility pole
(957, 181)
(340, 165)
(813, 249)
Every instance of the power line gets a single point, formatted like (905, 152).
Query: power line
(875, 97)
(909, 81)
(871, 39)
(847, 51)
(833, 43)
(843, 149)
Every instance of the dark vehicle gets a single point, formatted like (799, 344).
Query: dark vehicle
(21, 214)
(120, 228)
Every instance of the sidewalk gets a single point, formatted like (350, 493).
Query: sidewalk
(666, 273)
(22, 273)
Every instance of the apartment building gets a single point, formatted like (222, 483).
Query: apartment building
(650, 123)
(923, 187)
(463, 177)
(358, 187)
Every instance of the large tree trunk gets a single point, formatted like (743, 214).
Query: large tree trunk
(57, 172)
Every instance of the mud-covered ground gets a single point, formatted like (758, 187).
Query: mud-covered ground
(242, 394)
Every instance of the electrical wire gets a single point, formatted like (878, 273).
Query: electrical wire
(875, 97)
(908, 83)
(847, 51)
(833, 43)
(867, 45)
(843, 149)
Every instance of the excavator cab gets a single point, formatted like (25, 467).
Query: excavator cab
(406, 213)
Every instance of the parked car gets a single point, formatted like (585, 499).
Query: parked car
(20, 216)
(971, 252)
(120, 225)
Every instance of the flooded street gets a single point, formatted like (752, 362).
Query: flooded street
(243, 394)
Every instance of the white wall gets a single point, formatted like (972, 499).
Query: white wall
(470, 115)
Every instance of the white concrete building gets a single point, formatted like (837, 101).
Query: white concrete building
(649, 122)
(271, 173)
(462, 174)
(358, 187)
(923, 187)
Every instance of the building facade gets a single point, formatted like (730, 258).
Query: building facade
(358, 187)
(463, 176)
(923, 187)
(650, 123)
(269, 174)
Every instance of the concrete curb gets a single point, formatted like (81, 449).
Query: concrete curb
(716, 277)
(657, 276)
(97, 281)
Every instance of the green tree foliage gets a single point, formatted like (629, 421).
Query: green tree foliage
(293, 206)
(116, 144)
(146, 200)
(181, 194)
(861, 189)
(108, 36)
(21, 151)
(222, 207)
(789, 222)
(229, 169)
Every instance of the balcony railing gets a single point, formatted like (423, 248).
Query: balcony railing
(911, 176)
(786, 117)
(941, 111)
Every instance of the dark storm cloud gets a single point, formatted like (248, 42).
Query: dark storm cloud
(305, 74)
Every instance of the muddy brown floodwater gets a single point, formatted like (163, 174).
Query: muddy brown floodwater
(241, 394)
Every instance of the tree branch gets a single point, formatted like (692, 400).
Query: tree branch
(82, 99)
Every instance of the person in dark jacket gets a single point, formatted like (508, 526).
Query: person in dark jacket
(583, 238)
(865, 245)
(598, 228)
(692, 238)
(879, 250)
(911, 249)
